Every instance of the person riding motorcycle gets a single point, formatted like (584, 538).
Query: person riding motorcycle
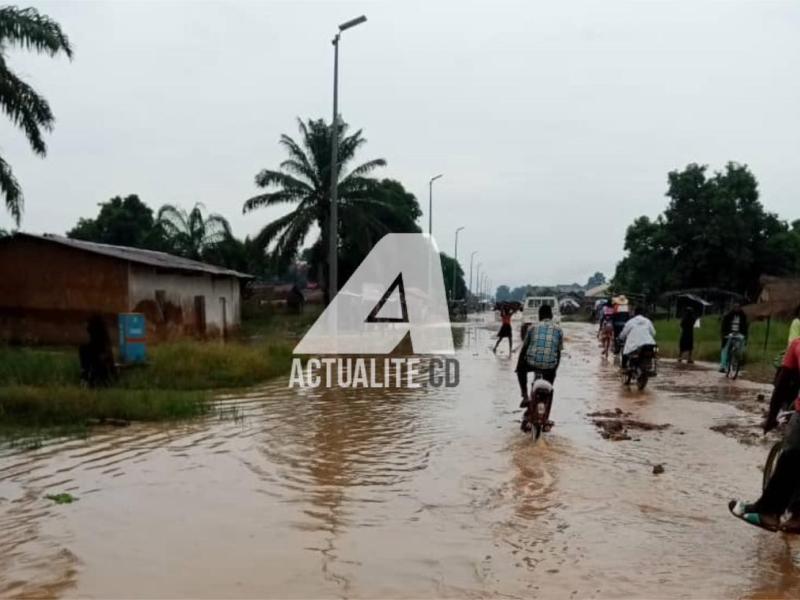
(782, 492)
(541, 353)
(605, 333)
(733, 323)
(620, 316)
(638, 332)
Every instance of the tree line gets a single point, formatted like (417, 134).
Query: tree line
(518, 294)
(714, 233)
(369, 207)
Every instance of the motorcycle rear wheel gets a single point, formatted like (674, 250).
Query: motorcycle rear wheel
(626, 377)
(641, 381)
(772, 461)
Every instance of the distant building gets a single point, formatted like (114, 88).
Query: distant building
(779, 297)
(599, 291)
(50, 285)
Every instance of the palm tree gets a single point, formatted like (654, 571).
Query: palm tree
(26, 28)
(304, 179)
(190, 234)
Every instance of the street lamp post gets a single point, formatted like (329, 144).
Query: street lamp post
(471, 259)
(478, 281)
(430, 203)
(333, 226)
(455, 265)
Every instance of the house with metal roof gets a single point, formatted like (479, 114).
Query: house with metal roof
(50, 285)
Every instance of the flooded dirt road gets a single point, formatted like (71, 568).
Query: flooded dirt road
(416, 493)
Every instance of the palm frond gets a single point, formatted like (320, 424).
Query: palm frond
(27, 28)
(289, 242)
(217, 229)
(296, 167)
(270, 199)
(299, 159)
(25, 108)
(268, 233)
(11, 191)
(269, 177)
(348, 145)
(365, 168)
(173, 217)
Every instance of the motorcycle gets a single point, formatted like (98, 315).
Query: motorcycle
(538, 407)
(641, 366)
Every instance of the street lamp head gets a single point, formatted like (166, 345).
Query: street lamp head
(459, 229)
(437, 177)
(352, 23)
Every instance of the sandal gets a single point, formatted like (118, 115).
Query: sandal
(763, 521)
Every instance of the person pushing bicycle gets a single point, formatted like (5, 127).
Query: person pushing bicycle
(733, 327)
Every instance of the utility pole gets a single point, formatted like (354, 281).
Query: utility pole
(333, 226)
(455, 266)
(430, 203)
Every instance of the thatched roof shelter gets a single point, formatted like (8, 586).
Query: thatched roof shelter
(779, 297)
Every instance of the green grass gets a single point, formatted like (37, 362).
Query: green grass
(36, 366)
(45, 407)
(762, 348)
(266, 323)
(62, 498)
(39, 387)
(192, 365)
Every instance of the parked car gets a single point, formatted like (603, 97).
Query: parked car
(530, 311)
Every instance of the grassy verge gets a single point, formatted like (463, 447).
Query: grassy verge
(763, 344)
(48, 406)
(39, 387)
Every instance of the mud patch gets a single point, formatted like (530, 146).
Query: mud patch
(748, 433)
(615, 425)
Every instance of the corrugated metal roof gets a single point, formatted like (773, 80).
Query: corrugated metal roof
(152, 258)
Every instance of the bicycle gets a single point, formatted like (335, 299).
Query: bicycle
(735, 355)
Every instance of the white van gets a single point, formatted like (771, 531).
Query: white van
(530, 310)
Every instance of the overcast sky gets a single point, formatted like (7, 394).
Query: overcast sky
(554, 124)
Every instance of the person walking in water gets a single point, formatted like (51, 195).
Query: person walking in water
(686, 344)
(505, 327)
(606, 331)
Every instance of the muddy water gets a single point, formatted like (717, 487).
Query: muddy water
(422, 493)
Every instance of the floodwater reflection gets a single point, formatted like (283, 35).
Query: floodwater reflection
(403, 493)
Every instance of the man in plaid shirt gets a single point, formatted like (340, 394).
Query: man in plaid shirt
(541, 351)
